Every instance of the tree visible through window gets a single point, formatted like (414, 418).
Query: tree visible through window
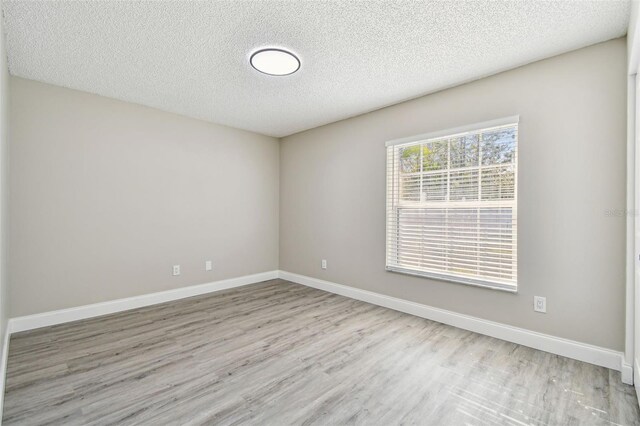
(452, 207)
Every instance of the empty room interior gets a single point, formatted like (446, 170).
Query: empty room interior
(298, 212)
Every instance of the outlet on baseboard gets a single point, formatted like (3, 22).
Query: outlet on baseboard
(323, 264)
(176, 270)
(208, 265)
(540, 304)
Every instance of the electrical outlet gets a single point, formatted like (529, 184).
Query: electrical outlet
(176, 270)
(324, 264)
(208, 265)
(540, 304)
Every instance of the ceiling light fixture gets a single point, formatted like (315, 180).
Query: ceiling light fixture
(275, 62)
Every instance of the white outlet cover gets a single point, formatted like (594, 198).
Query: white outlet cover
(324, 264)
(176, 270)
(540, 304)
(208, 265)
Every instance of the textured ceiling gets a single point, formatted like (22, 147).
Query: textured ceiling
(192, 57)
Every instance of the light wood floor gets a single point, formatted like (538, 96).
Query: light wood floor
(279, 353)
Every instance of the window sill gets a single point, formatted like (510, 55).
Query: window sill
(466, 281)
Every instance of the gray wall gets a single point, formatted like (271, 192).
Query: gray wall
(571, 171)
(105, 196)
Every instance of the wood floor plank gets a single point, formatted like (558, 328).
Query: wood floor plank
(277, 353)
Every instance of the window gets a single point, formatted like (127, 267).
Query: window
(452, 205)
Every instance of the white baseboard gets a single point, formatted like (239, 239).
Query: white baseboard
(3, 367)
(636, 378)
(46, 319)
(626, 372)
(556, 345)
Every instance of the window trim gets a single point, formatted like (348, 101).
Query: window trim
(491, 285)
(451, 133)
(455, 131)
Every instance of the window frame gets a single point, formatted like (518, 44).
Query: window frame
(452, 133)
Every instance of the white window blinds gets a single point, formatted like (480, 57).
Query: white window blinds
(452, 205)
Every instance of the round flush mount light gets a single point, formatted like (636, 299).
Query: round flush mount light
(275, 62)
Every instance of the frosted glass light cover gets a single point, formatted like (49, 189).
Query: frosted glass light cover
(275, 62)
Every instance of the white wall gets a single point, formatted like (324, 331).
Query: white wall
(4, 127)
(632, 350)
(105, 196)
(572, 170)
(4, 132)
